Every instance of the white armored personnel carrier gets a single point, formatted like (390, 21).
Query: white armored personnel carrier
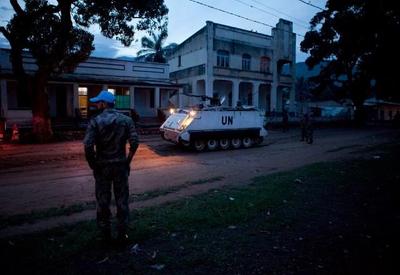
(215, 127)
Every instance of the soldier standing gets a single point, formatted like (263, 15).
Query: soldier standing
(307, 131)
(105, 143)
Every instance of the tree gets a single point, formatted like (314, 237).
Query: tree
(356, 39)
(56, 34)
(153, 49)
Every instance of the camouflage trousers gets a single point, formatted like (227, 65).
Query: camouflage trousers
(112, 175)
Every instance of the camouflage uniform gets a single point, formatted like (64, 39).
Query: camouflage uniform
(109, 131)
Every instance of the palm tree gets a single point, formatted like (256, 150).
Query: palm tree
(152, 47)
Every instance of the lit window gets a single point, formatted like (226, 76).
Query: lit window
(246, 62)
(111, 90)
(83, 101)
(223, 58)
(82, 90)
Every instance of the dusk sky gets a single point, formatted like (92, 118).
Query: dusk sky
(187, 17)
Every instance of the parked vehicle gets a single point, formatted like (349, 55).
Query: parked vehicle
(215, 127)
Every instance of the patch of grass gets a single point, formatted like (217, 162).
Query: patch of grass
(217, 208)
(205, 231)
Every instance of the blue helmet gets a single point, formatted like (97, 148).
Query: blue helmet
(105, 96)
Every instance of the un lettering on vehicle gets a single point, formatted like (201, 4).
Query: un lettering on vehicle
(227, 120)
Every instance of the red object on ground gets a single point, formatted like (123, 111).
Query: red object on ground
(2, 129)
(15, 133)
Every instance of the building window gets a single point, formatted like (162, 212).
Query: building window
(265, 64)
(82, 91)
(286, 69)
(122, 97)
(179, 61)
(246, 62)
(83, 101)
(222, 58)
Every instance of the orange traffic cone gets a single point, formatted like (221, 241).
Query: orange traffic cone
(2, 130)
(15, 133)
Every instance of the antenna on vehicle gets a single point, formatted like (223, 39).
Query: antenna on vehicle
(222, 100)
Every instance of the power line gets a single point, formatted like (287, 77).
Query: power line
(280, 12)
(240, 16)
(311, 5)
(231, 13)
(267, 12)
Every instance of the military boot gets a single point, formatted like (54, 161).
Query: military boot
(105, 236)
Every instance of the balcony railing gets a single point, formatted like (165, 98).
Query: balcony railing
(237, 73)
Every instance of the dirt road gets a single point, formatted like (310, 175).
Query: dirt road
(34, 177)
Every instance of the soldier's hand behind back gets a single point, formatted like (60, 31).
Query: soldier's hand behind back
(128, 168)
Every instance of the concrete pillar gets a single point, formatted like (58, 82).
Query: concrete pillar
(194, 87)
(3, 98)
(235, 92)
(209, 86)
(277, 35)
(274, 97)
(70, 100)
(132, 96)
(157, 97)
(279, 99)
(292, 97)
(75, 94)
(255, 94)
(211, 59)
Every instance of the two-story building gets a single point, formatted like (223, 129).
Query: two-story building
(240, 65)
(143, 86)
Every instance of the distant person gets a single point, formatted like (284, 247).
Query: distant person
(307, 131)
(104, 143)
(310, 129)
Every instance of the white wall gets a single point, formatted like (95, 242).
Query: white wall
(190, 59)
(256, 39)
(102, 67)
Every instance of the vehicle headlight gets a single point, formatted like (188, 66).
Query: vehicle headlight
(185, 123)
